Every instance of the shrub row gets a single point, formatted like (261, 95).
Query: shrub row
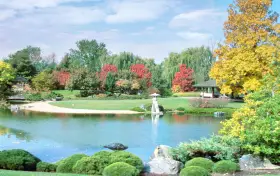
(96, 164)
(39, 97)
(203, 167)
(105, 163)
(208, 103)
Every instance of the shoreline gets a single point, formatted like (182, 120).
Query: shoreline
(45, 107)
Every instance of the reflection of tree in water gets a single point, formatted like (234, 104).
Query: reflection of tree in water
(19, 134)
(187, 118)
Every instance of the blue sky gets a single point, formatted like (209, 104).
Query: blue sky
(149, 28)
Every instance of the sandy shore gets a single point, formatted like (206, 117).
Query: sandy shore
(45, 107)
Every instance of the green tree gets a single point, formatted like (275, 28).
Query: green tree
(200, 59)
(110, 82)
(44, 81)
(89, 54)
(22, 63)
(7, 74)
(83, 79)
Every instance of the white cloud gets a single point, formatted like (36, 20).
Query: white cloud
(195, 36)
(30, 4)
(150, 28)
(6, 14)
(137, 10)
(199, 19)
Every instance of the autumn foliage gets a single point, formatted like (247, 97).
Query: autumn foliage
(251, 44)
(183, 80)
(62, 77)
(142, 73)
(106, 69)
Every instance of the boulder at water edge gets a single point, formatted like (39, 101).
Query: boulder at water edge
(164, 166)
(250, 162)
(162, 163)
(116, 146)
(161, 151)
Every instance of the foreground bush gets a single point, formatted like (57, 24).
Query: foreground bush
(201, 162)
(257, 124)
(216, 147)
(46, 167)
(129, 158)
(66, 166)
(93, 165)
(194, 171)
(225, 166)
(18, 160)
(120, 169)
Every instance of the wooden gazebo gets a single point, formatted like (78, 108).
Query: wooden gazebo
(208, 86)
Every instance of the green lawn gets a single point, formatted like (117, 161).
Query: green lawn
(23, 173)
(168, 103)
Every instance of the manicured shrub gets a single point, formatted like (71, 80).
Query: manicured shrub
(66, 166)
(225, 166)
(104, 154)
(216, 147)
(201, 162)
(120, 169)
(148, 107)
(138, 109)
(46, 167)
(194, 171)
(93, 165)
(180, 109)
(18, 160)
(33, 96)
(129, 158)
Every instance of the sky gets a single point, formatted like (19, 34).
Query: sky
(148, 28)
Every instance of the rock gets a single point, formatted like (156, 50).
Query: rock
(116, 146)
(164, 166)
(161, 151)
(250, 162)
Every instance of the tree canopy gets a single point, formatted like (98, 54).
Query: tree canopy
(252, 35)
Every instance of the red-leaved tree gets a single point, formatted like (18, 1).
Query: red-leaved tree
(62, 77)
(184, 79)
(104, 72)
(106, 69)
(142, 73)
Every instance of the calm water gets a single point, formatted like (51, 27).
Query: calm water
(53, 137)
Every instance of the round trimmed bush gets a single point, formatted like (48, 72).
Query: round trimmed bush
(46, 167)
(66, 166)
(201, 162)
(18, 159)
(120, 169)
(180, 109)
(225, 166)
(129, 158)
(93, 165)
(194, 171)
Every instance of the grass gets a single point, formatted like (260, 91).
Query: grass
(167, 103)
(67, 94)
(24, 173)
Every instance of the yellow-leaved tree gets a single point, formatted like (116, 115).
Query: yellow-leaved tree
(250, 46)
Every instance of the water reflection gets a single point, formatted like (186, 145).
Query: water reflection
(19, 134)
(52, 137)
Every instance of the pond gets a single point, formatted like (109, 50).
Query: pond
(53, 137)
